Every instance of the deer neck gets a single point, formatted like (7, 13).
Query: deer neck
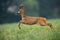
(23, 14)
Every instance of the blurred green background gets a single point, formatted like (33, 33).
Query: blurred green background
(9, 18)
(44, 8)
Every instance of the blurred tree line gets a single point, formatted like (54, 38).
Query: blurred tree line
(43, 8)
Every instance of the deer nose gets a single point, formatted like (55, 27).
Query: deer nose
(18, 11)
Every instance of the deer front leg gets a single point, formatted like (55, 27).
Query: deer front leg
(19, 24)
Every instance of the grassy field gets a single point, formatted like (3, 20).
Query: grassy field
(10, 31)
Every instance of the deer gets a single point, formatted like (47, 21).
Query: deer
(30, 20)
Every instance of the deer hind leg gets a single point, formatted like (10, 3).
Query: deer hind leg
(50, 25)
(19, 24)
(43, 23)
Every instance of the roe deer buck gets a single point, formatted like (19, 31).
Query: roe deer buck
(32, 20)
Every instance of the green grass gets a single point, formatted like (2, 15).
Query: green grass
(10, 31)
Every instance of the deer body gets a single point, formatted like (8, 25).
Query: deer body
(29, 20)
(32, 20)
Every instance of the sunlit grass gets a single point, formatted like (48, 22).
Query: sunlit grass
(10, 31)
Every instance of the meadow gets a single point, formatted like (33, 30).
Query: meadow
(10, 31)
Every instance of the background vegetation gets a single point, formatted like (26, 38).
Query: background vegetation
(44, 8)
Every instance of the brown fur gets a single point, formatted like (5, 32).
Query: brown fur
(32, 20)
